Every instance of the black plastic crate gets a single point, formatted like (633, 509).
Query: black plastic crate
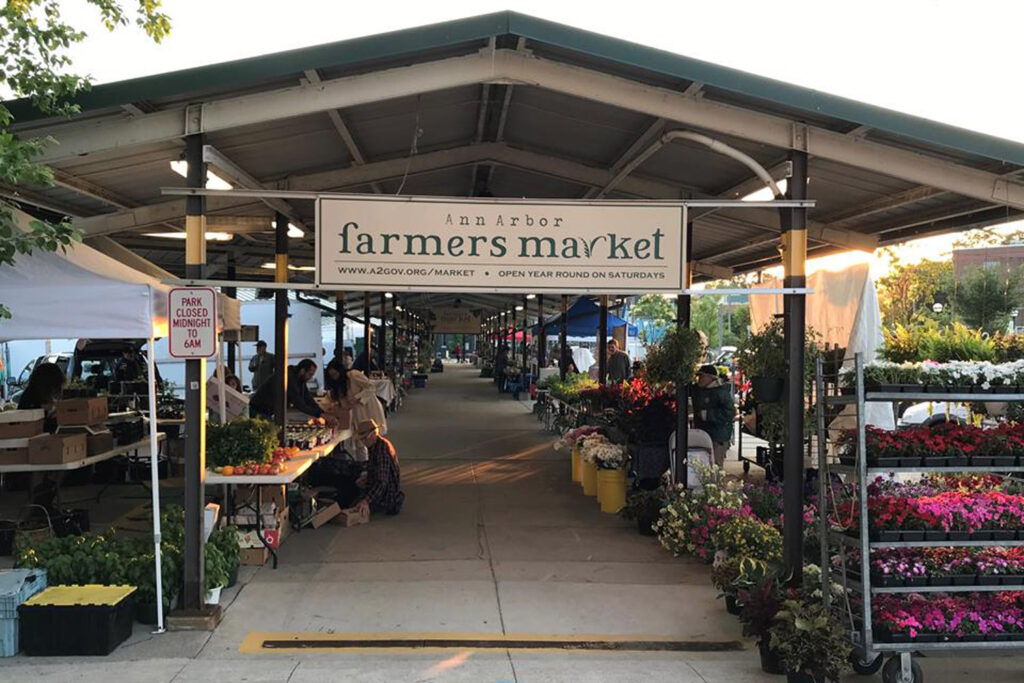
(56, 630)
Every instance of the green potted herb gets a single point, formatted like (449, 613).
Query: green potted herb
(644, 507)
(812, 645)
(226, 541)
(217, 573)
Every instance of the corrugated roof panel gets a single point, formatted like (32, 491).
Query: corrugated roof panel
(273, 150)
(385, 129)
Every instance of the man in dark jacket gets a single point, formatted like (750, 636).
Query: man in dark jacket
(299, 398)
(620, 368)
(713, 410)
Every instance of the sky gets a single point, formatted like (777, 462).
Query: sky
(948, 60)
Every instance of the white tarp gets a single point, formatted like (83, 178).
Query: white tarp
(843, 310)
(81, 293)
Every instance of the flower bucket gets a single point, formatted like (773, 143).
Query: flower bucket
(589, 478)
(611, 490)
(577, 473)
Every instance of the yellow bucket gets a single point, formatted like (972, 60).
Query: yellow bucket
(576, 474)
(589, 478)
(611, 490)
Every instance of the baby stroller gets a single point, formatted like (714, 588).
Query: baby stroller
(700, 449)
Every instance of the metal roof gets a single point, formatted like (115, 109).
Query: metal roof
(518, 107)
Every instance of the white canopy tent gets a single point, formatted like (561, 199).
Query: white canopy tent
(83, 293)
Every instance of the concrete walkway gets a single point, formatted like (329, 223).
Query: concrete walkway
(494, 541)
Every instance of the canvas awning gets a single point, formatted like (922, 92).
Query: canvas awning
(584, 317)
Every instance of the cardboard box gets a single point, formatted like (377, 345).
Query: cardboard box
(97, 440)
(325, 514)
(56, 449)
(352, 517)
(82, 411)
(275, 493)
(21, 424)
(253, 557)
(14, 452)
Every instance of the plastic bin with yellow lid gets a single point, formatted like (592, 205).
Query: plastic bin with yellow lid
(69, 596)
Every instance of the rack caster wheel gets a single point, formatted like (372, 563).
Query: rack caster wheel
(893, 673)
(746, 467)
(866, 668)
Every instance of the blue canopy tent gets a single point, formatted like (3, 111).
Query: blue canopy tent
(584, 317)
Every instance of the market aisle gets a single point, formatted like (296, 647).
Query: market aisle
(494, 539)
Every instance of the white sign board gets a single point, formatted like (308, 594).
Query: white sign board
(425, 244)
(453, 320)
(192, 313)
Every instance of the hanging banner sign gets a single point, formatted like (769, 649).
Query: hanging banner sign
(454, 321)
(192, 314)
(426, 244)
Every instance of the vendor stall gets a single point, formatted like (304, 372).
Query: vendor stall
(80, 292)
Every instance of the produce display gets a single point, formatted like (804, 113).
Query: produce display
(242, 446)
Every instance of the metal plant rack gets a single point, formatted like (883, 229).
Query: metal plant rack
(869, 652)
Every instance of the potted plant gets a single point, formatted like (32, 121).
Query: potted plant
(674, 359)
(762, 358)
(811, 643)
(758, 606)
(226, 541)
(216, 572)
(644, 507)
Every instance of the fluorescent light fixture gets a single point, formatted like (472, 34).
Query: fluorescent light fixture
(531, 296)
(210, 236)
(388, 295)
(519, 307)
(304, 269)
(765, 193)
(213, 181)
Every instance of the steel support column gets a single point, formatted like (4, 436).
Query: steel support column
(382, 343)
(602, 342)
(194, 596)
(394, 332)
(794, 257)
(526, 323)
(339, 325)
(683, 391)
(367, 330)
(542, 336)
(232, 293)
(281, 324)
(563, 333)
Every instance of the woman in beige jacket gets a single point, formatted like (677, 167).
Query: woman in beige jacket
(351, 390)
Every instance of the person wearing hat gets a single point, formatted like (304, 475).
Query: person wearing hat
(382, 483)
(261, 365)
(713, 410)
